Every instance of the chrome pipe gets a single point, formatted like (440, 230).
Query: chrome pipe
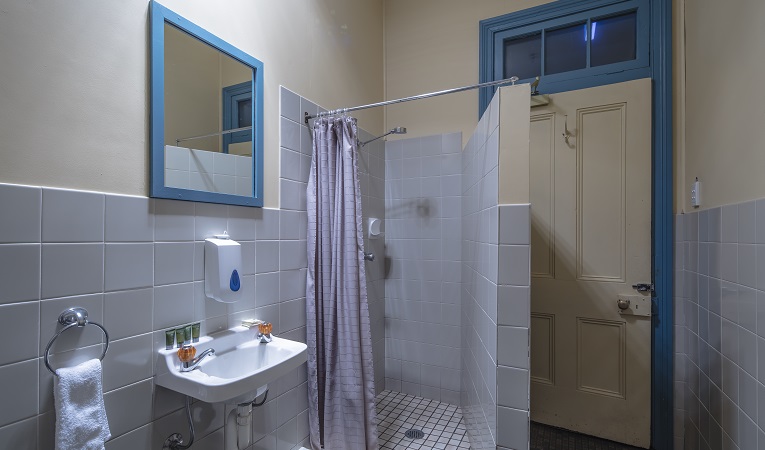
(414, 97)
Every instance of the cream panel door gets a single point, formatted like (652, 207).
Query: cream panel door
(590, 242)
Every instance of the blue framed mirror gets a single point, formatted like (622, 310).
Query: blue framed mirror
(206, 115)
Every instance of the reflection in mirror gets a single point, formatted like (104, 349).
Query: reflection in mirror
(207, 115)
(207, 92)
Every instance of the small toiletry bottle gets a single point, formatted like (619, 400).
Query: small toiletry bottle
(187, 334)
(169, 339)
(195, 328)
(179, 338)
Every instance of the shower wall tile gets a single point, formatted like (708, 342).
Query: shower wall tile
(421, 326)
(718, 298)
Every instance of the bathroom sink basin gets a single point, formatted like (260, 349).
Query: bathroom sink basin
(236, 373)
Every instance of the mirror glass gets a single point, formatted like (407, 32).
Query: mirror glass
(206, 145)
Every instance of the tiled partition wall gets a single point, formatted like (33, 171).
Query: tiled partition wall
(296, 142)
(721, 363)
(422, 306)
(495, 298)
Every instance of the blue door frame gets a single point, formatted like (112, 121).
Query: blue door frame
(660, 72)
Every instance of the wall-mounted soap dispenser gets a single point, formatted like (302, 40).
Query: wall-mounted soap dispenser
(223, 263)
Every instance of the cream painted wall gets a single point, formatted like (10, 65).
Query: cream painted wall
(432, 45)
(724, 102)
(74, 96)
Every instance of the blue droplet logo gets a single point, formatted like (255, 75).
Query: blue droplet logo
(234, 283)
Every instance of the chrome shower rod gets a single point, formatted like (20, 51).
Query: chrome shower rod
(333, 112)
(217, 133)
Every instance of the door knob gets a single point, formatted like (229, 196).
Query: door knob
(622, 303)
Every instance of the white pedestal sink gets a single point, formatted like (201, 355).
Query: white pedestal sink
(241, 365)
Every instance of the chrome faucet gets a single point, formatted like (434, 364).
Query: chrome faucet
(188, 366)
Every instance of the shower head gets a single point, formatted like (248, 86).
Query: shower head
(396, 130)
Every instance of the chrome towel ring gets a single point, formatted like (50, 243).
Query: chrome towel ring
(74, 317)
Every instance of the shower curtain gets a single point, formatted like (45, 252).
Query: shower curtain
(341, 402)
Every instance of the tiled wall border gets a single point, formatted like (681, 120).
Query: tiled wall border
(720, 327)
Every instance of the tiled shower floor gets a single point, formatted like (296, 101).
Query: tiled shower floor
(441, 423)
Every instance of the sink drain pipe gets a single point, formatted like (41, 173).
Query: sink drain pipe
(241, 437)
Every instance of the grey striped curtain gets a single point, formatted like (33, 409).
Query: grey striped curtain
(341, 401)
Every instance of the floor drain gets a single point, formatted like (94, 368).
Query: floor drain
(415, 434)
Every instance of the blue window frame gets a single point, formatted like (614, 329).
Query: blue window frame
(237, 113)
(654, 52)
(581, 60)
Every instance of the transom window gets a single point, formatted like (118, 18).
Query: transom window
(569, 45)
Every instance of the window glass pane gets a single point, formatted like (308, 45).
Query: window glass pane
(566, 49)
(613, 39)
(245, 112)
(522, 57)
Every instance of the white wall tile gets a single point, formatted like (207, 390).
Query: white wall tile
(513, 347)
(180, 179)
(128, 219)
(292, 195)
(266, 256)
(289, 134)
(173, 262)
(19, 272)
(173, 305)
(20, 435)
(747, 223)
(267, 288)
(514, 432)
(209, 219)
(22, 209)
(72, 269)
(292, 284)
(513, 387)
(289, 164)
(202, 161)
(72, 216)
(729, 224)
(21, 331)
(513, 265)
(128, 313)
(291, 224)
(225, 164)
(513, 306)
(129, 408)
(242, 221)
(22, 377)
(138, 438)
(268, 227)
(128, 266)
(292, 255)
(173, 220)
(289, 104)
(128, 361)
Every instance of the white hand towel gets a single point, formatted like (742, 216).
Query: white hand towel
(80, 414)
